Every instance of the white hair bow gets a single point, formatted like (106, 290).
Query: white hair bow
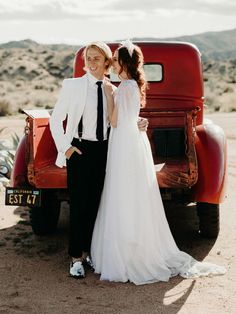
(129, 45)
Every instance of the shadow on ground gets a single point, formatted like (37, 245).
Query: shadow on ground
(44, 263)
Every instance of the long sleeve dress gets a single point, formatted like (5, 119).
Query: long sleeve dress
(132, 240)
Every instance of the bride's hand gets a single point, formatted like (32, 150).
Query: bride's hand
(108, 89)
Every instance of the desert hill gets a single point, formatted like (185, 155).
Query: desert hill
(217, 45)
(213, 45)
(31, 73)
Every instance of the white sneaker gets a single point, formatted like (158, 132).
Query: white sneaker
(77, 270)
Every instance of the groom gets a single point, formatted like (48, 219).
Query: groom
(82, 147)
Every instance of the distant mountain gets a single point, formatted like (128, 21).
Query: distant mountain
(30, 44)
(27, 43)
(215, 45)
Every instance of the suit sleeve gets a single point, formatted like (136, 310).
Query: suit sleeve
(59, 114)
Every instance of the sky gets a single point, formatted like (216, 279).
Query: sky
(82, 21)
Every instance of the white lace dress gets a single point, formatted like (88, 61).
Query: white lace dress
(132, 240)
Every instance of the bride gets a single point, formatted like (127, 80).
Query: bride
(131, 239)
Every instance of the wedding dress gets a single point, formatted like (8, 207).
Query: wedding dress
(131, 239)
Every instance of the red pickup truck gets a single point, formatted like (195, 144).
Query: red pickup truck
(189, 152)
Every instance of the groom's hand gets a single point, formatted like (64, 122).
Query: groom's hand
(143, 124)
(71, 150)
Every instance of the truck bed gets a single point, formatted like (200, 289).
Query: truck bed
(43, 173)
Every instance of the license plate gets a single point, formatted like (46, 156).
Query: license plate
(23, 197)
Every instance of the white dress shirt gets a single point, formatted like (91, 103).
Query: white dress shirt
(90, 111)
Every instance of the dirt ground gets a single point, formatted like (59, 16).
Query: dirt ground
(34, 270)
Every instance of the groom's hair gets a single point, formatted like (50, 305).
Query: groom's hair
(104, 50)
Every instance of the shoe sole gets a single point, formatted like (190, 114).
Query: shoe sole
(76, 277)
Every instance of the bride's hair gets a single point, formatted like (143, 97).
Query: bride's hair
(133, 66)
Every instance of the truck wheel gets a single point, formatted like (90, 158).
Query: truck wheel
(44, 219)
(209, 222)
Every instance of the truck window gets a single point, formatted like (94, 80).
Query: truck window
(153, 72)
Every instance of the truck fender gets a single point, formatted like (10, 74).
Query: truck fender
(211, 150)
(19, 171)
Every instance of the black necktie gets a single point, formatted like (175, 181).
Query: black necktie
(99, 131)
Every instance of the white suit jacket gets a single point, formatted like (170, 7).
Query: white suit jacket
(70, 104)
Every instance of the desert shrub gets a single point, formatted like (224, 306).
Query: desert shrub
(5, 108)
(39, 102)
(222, 69)
(22, 68)
(18, 84)
(6, 54)
(34, 73)
(49, 57)
(38, 87)
(232, 79)
(7, 153)
(228, 89)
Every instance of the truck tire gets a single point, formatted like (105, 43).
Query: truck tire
(209, 219)
(44, 219)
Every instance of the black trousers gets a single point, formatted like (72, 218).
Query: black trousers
(85, 180)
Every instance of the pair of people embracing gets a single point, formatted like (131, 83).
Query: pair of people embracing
(118, 225)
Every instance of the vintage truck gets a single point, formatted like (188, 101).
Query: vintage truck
(189, 152)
